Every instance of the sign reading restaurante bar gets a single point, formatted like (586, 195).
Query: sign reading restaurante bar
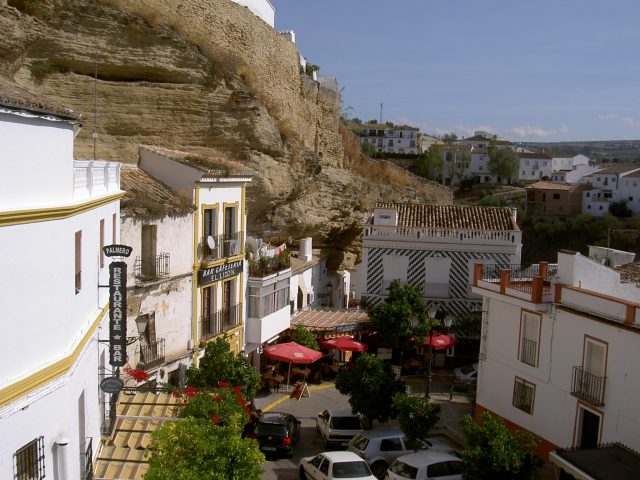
(213, 274)
(117, 314)
(117, 250)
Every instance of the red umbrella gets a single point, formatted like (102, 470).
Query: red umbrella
(344, 344)
(292, 352)
(440, 342)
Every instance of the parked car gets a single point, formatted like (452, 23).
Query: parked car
(426, 465)
(334, 465)
(467, 373)
(381, 447)
(338, 426)
(277, 433)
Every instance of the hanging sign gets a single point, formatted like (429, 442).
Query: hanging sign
(220, 272)
(117, 314)
(111, 384)
(117, 250)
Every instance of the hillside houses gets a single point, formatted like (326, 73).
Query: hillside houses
(390, 139)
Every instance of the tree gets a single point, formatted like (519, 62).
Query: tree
(368, 149)
(401, 317)
(503, 162)
(430, 163)
(416, 416)
(207, 443)
(450, 138)
(496, 452)
(305, 337)
(371, 385)
(220, 364)
(620, 209)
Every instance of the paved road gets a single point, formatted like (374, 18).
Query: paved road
(311, 442)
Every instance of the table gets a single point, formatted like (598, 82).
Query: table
(273, 381)
(300, 372)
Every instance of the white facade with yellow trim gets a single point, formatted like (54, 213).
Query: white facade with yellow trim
(55, 214)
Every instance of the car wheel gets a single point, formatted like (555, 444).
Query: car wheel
(303, 476)
(378, 468)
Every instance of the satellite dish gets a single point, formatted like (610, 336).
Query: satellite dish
(211, 242)
(251, 245)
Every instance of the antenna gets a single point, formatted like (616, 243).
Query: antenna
(381, 104)
(95, 105)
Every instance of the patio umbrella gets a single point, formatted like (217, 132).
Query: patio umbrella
(344, 344)
(292, 352)
(440, 341)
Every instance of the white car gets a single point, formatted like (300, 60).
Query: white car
(467, 373)
(338, 426)
(335, 465)
(426, 465)
(382, 446)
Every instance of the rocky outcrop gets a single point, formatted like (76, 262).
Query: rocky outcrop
(210, 77)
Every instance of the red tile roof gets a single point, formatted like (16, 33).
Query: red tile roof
(453, 216)
(16, 97)
(147, 196)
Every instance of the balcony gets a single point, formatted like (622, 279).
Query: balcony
(533, 283)
(528, 351)
(221, 246)
(453, 235)
(588, 387)
(95, 177)
(221, 321)
(150, 269)
(150, 356)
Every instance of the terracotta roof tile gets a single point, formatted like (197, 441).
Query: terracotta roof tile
(614, 170)
(19, 98)
(453, 216)
(543, 185)
(630, 273)
(146, 196)
(544, 156)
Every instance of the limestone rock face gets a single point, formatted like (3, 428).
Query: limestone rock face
(205, 76)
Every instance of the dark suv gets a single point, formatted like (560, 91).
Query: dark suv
(277, 433)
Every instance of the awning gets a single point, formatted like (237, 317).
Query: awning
(333, 322)
(123, 456)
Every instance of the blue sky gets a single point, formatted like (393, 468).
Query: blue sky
(544, 70)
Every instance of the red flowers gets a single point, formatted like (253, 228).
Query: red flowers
(222, 384)
(138, 375)
(215, 419)
(190, 392)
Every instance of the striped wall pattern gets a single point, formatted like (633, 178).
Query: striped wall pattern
(457, 303)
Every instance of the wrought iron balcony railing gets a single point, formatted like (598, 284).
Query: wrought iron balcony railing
(221, 321)
(215, 247)
(151, 355)
(152, 268)
(588, 387)
(88, 461)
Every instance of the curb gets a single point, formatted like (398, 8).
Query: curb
(284, 398)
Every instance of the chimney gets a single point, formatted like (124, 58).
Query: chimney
(305, 249)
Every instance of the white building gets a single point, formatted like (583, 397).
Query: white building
(158, 224)
(610, 185)
(574, 175)
(534, 166)
(396, 139)
(558, 354)
(434, 247)
(567, 162)
(217, 189)
(56, 215)
(261, 8)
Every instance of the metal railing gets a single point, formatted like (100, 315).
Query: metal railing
(215, 247)
(221, 321)
(232, 244)
(587, 386)
(153, 268)
(523, 397)
(528, 351)
(150, 355)
(88, 461)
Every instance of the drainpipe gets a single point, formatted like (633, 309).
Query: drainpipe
(64, 462)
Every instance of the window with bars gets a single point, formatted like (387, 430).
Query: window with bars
(523, 395)
(529, 338)
(29, 461)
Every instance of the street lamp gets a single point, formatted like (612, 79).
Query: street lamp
(431, 313)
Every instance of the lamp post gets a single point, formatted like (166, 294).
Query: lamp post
(432, 313)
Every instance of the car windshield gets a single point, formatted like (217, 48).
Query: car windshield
(350, 470)
(359, 442)
(345, 423)
(270, 429)
(403, 470)
(467, 369)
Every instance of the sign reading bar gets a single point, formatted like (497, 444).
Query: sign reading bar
(214, 274)
(111, 385)
(117, 314)
(117, 250)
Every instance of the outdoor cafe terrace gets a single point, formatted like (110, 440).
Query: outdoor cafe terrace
(532, 283)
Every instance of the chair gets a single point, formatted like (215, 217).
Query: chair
(273, 385)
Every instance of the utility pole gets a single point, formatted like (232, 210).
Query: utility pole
(381, 104)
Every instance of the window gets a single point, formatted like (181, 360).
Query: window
(29, 461)
(556, 196)
(101, 243)
(436, 277)
(78, 262)
(149, 240)
(523, 395)
(113, 229)
(588, 194)
(390, 445)
(269, 299)
(394, 267)
(209, 230)
(529, 337)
